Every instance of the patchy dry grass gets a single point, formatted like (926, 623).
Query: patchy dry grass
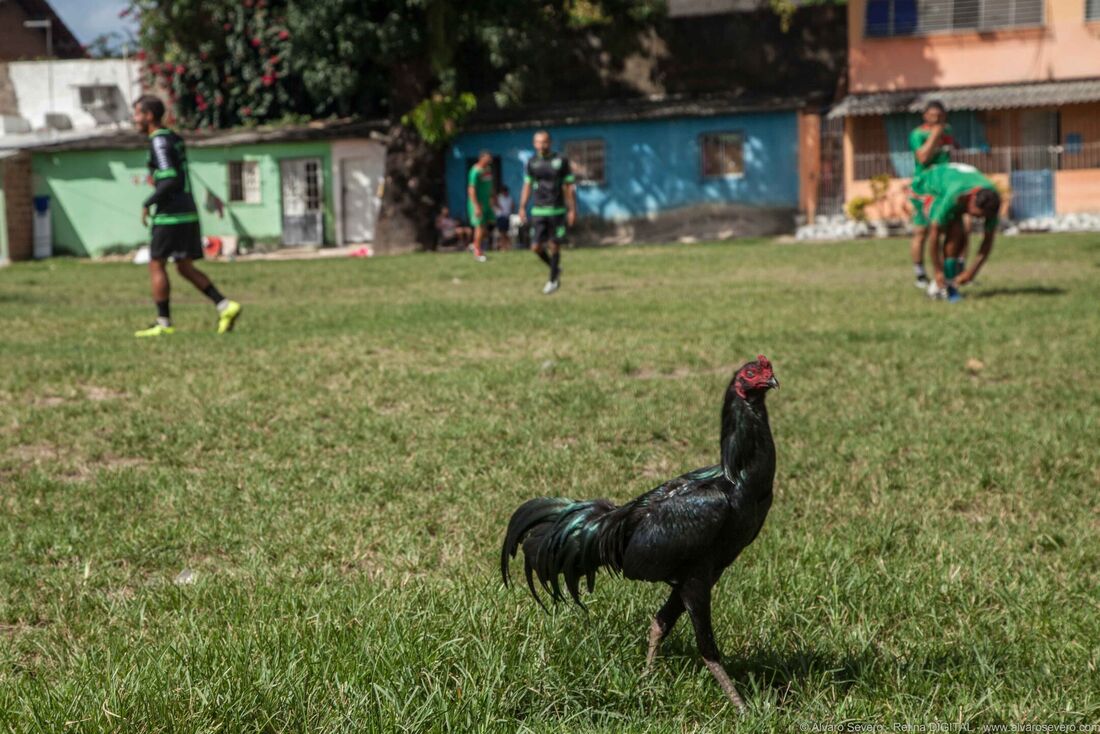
(337, 475)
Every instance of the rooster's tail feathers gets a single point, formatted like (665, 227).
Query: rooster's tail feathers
(560, 537)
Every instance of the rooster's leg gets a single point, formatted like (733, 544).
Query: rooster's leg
(696, 596)
(663, 623)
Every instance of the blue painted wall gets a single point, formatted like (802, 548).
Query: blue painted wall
(651, 166)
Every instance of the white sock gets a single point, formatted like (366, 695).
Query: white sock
(918, 268)
(161, 321)
(222, 305)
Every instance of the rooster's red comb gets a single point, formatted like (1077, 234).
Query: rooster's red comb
(763, 361)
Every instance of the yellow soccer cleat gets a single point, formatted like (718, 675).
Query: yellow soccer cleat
(228, 317)
(155, 330)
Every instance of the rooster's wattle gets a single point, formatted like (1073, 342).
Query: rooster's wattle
(683, 533)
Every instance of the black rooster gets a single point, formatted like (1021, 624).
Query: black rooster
(684, 533)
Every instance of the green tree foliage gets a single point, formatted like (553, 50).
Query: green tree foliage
(786, 9)
(436, 119)
(232, 62)
(221, 63)
(114, 45)
(425, 64)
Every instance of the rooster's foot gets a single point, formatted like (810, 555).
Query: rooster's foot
(723, 679)
(656, 634)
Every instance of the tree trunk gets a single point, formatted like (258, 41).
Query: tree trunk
(414, 189)
(412, 195)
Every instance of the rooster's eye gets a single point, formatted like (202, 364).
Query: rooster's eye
(750, 374)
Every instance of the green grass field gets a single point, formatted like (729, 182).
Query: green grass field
(338, 474)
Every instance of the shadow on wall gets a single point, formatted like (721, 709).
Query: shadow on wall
(66, 241)
(667, 178)
(80, 219)
(82, 168)
(807, 57)
(654, 167)
(883, 35)
(208, 199)
(244, 239)
(94, 200)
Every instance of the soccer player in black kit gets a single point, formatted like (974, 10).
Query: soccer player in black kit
(553, 205)
(175, 231)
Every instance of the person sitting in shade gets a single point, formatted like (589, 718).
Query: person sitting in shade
(503, 207)
(451, 231)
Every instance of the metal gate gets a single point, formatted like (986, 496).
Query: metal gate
(1030, 172)
(303, 215)
(1032, 194)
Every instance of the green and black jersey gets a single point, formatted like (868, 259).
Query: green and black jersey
(548, 175)
(167, 164)
(941, 190)
(918, 137)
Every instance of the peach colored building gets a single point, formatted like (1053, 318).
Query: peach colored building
(1020, 80)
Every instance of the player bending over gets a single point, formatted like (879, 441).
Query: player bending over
(948, 192)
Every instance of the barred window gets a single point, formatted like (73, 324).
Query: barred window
(723, 154)
(587, 160)
(97, 96)
(923, 17)
(244, 182)
(1092, 10)
(313, 185)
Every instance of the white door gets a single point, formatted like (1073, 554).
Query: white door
(303, 203)
(361, 178)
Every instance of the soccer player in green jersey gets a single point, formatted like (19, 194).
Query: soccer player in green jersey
(479, 193)
(948, 192)
(549, 186)
(175, 233)
(931, 144)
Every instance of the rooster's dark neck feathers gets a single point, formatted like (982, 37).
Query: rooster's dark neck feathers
(746, 437)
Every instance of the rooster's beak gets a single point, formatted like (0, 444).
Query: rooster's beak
(773, 383)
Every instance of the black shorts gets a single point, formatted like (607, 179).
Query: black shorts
(179, 241)
(547, 229)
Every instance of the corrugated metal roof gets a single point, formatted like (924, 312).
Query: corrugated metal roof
(129, 140)
(629, 110)
(1039, 94)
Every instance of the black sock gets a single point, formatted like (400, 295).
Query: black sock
(164, 311)
(213, 293)
(541, 252)
(555, 266)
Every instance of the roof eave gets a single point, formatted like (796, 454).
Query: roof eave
(987, 97)
(637, 111)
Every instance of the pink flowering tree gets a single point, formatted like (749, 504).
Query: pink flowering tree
(426, 65)
(220, 64)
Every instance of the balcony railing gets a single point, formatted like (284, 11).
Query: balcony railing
(991, 160)
(892, 18)
(1025, 173)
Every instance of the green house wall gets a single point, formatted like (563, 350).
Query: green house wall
(95, 196)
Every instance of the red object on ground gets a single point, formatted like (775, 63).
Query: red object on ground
(212, 246)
